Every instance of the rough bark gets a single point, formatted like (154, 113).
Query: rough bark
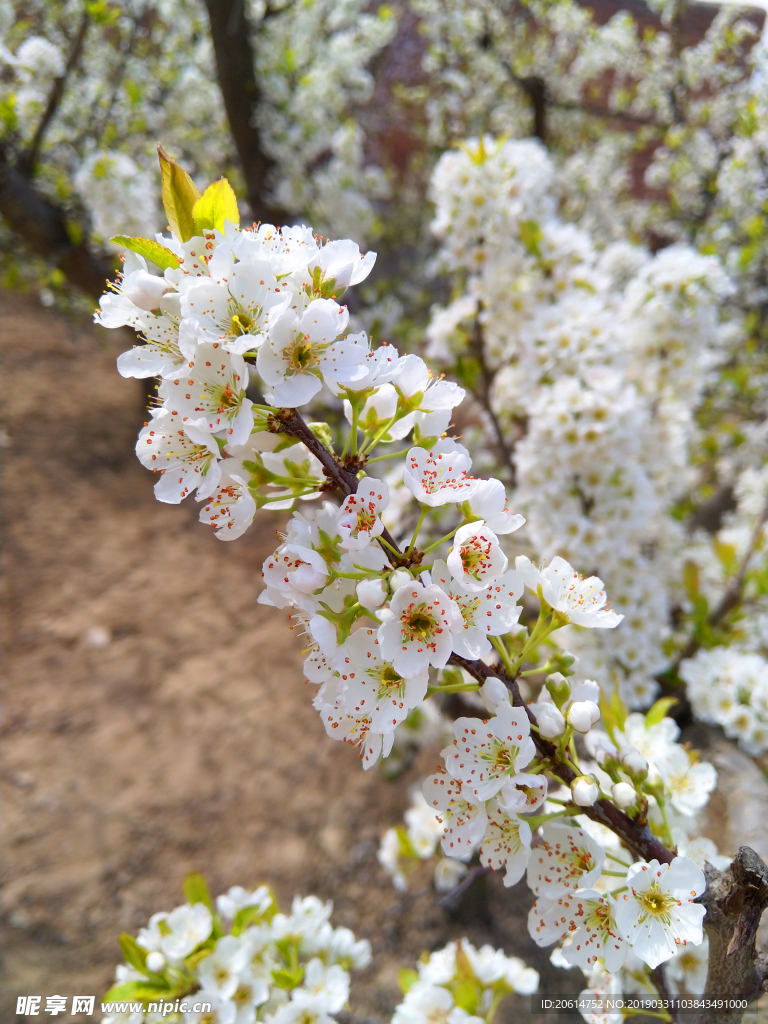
(42, 228)
(231, 35)
(735, 900)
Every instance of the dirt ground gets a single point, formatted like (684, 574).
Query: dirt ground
(155, 717)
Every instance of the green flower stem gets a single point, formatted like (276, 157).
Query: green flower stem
(614, 857)
(539, 670)
(379, 433)
(572, 748)
(442, 540)
(545, 624)
(424, 513)
(352, 435)
(386, 544)
(615, 874)
(534, 820)
(453, 688)
(389, 455)
(500, 646)
(497, 997)
(663, 808)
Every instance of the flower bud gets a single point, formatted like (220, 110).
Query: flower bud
(584, 791)
(582, 715)
(493, 692)
(624, 795)
(323, 433)
(559, 688)
(155, 962)
(371, 593)
(634, 763)
(549, 720)
(399, 578)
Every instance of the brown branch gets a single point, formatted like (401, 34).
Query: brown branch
(452, 899)
(27, 161)
(231, 36)
(735, 900)
(640, 839)
(42, 228)
(731, 595)
(484, 398)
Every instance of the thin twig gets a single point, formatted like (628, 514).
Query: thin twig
(26, 162)
(452, 899)
(731, 595)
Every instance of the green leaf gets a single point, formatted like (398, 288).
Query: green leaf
(143, 990)
(659, 710)
(464, 969)
(618, 710)
(217, 204)
(179, 196)
(246, 916)
(288, 979)
(102, 12)
(726, 553)
(152, 251)
(406, 978)
(531, 236)
(196, 890)
(691, 579)
(133, 953)
(465, 995)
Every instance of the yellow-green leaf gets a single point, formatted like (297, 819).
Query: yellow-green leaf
(152, 251)
(691, 579)
(406, 978)
(217, 204)
(619, 709)
(659, 710)
(196, 890)
(464, 970)
(179, 196)
(726, 553)
(466, 995)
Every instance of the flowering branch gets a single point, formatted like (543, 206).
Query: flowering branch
(640, 839)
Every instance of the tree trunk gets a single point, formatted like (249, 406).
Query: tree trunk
(735, 900)
(42, 228)
(235, 71)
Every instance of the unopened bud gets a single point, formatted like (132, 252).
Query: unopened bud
(559, 688)
(624, 795)
(493, 692)
(371, 593)
(549, 720)
(633, 762)
(155, 962)
(582, 715)
(399, 578)
(323, 433)
(584, 791)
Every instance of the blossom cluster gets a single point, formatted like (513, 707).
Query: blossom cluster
(243, 956)
(461, 985)
(249, 962)
(729, 688)
(603, 355)
(483, 803)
